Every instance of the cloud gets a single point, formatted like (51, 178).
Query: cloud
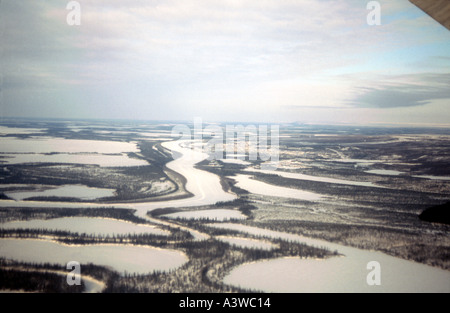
(421, 89)
(179, 38)
(194, 56)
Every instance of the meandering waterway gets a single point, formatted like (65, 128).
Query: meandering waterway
(345, 273)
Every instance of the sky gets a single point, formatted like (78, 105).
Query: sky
(279, 61)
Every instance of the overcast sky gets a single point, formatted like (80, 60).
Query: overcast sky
(310, 61)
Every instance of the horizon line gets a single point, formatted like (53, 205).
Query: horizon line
(185, 121)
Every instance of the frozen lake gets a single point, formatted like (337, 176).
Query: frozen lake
(396, 173)
(247, 242)
(67, 191)
(432, 177)
(349, 160)
(336, 274)
(72, 151)
(385, 172)
(122, 258)
(235, 161)
(4, 130)
(61, 145)
(102, 160)
(313, 178)
(88, 225)
(339, 274)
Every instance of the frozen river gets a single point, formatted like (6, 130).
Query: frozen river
(205, 187)
(337, 274)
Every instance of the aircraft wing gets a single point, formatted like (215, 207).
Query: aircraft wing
(437, 9)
